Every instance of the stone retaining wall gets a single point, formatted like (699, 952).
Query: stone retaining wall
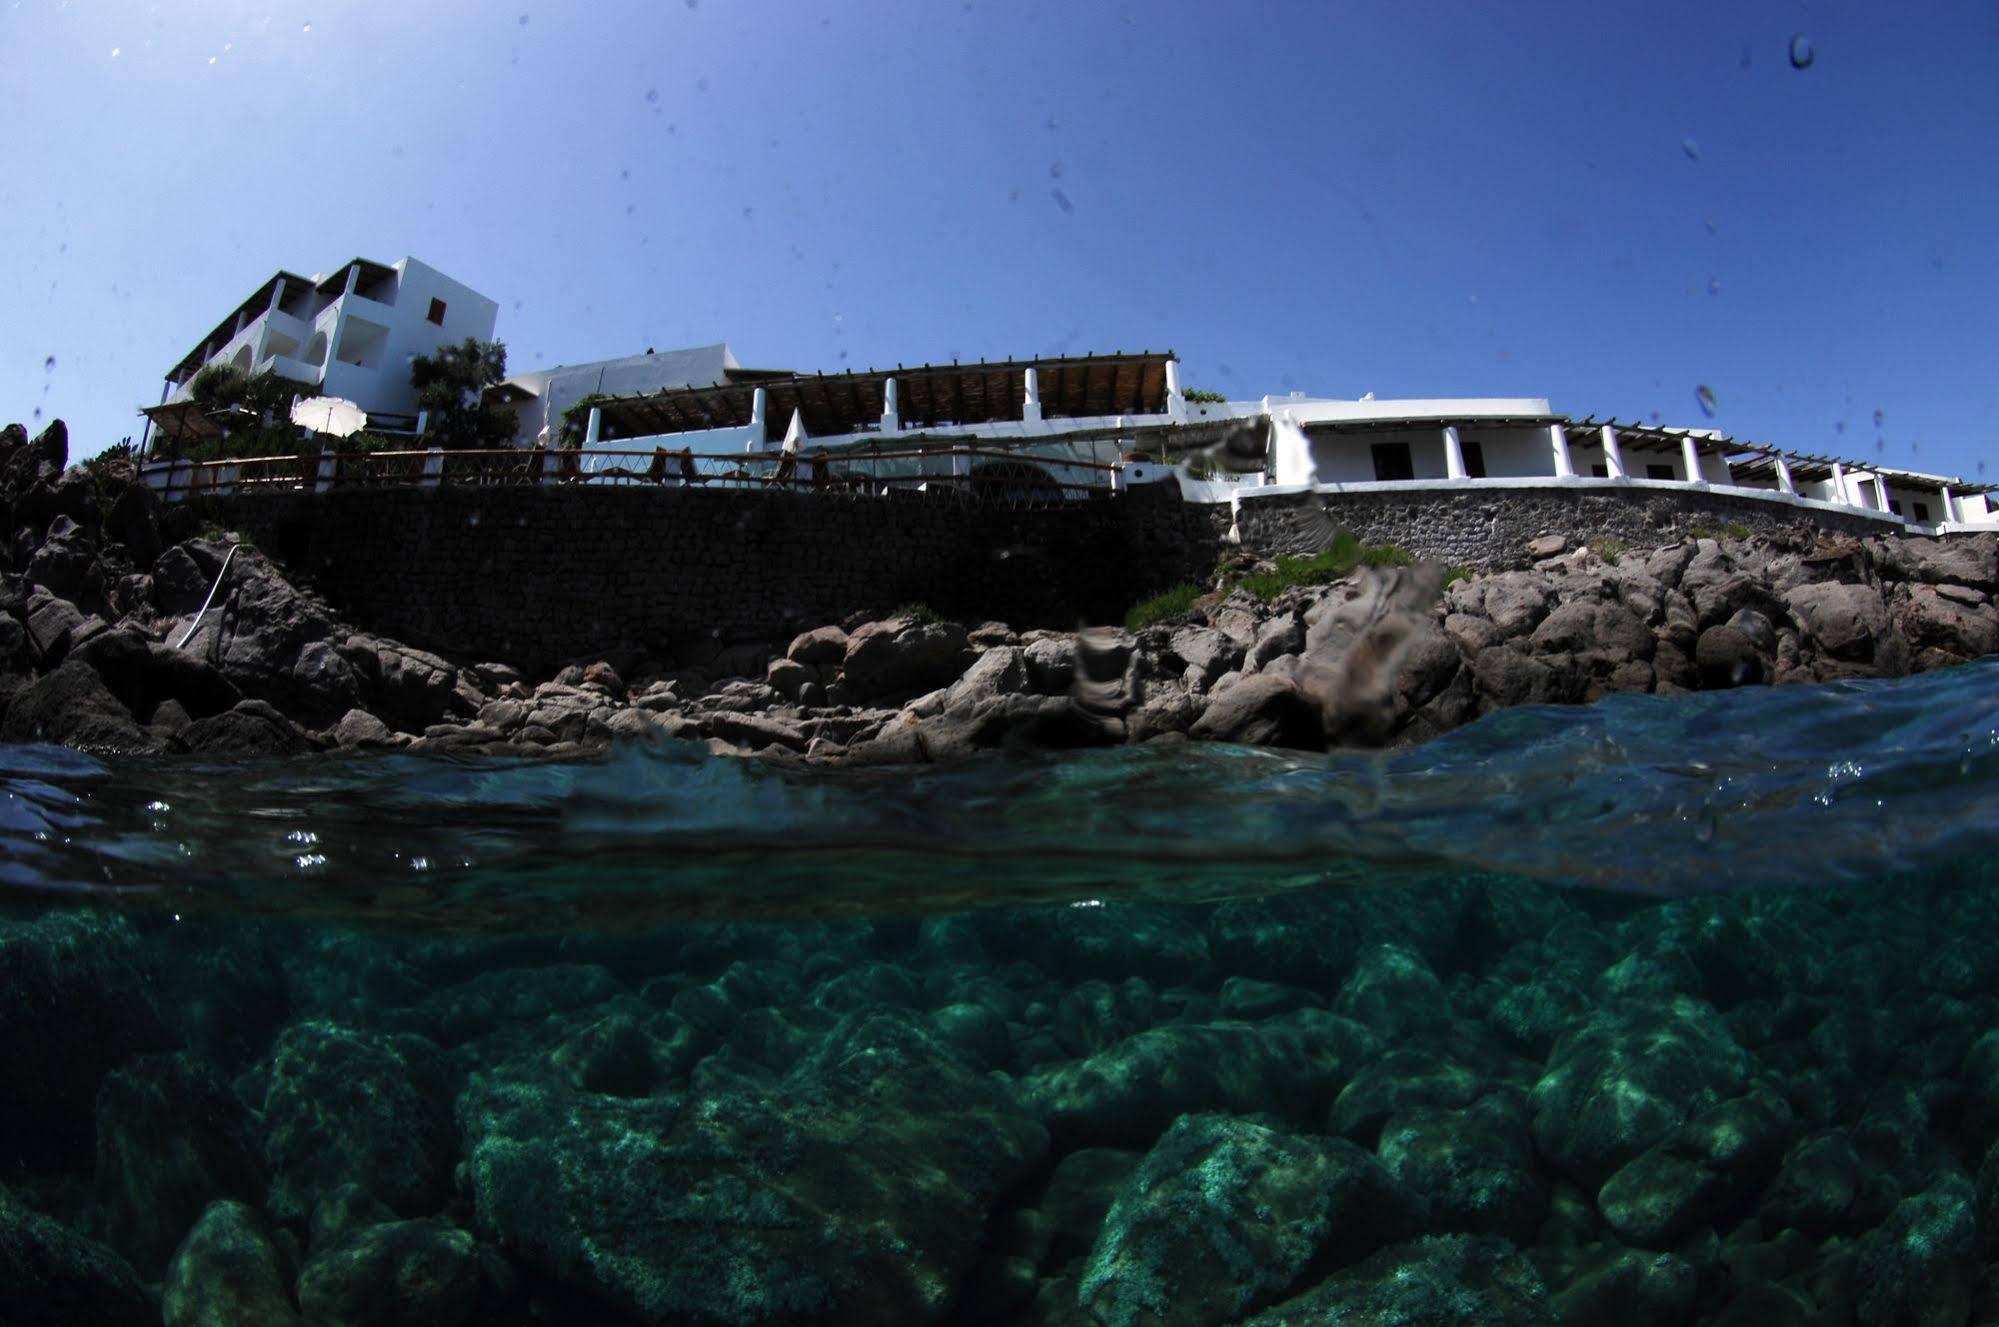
(1486, 528)
(538, 575)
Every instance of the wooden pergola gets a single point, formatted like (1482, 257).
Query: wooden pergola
(927, 396)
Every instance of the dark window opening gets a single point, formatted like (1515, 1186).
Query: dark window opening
(1895, 506)
(1600, 471)
(1923, 512)
(1474, 460)
(1655, 471)
(1391, 461)
(436, 313)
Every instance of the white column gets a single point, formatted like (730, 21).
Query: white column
(1839, 493)
(1613, 455)
(433, 467)
(1176, 398)
(594, 430)
(891, 407)
(759, 404)
(1031, 412)
(1454, 453)
(1880, 493)
(1949, 504)
(1558, 443)
(353, 279)
(422, 422)
(1690, 456)
(1784, 481)
(323, 478)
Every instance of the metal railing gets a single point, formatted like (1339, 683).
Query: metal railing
(981, 475)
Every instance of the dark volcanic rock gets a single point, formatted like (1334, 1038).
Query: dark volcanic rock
(1224, 1217)
(1264, 710)
(347, 1106)
(251, 728)
(423, 1273)
(1475, 1167)
(903, 656)
(50, 1276)
(72, 706)
(858, 1195)
(1450, 1281)
(228, 1271)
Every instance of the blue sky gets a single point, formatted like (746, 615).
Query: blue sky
(1573, 200)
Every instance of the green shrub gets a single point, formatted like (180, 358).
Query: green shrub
(1167, 604)
(1208, 398)
(1608, 547)
(1338, 559)
(921, 612)
(1452, 574)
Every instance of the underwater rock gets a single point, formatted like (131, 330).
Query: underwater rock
(1393, 991)
(350, 1106)
(1474, 1167)
(421, 1273)
(1628, 1076)
(1920, 1266)
(858, 1194)
(229, 1271)
(613, 1055)
(1223, 1217)
(171, 1138)
(1130, 1093)
(85, 982)
(1403, 1079)
(1444, 1281)
(50, 1276)
(1815, 1187)
(1611, 1286)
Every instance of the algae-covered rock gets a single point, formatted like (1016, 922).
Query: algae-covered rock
(421, 1273)
(1612, 1286)
(1446, 1281)
(1627, 1077)
(1130, 1093)
(1224, 1217)
(171, 1138)
(350, 1106)
(228, 1271)
(1919, 1267)
(1474, 1167)
(50, 1276)
(858, 1192)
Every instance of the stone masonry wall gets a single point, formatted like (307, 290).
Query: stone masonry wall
(537, 575)
(1487, 528)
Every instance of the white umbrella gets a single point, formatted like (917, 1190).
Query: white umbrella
(330, 414)
(794, 434)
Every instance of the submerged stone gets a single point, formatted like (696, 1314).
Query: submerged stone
(50, 1276)
(1446, 1281)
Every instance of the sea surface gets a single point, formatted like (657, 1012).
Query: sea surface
(1659, 1009)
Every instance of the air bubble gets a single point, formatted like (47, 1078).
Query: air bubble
(1704, 397)
(307, 26)
(116, 52)
(1691, 148)
(1802, 53)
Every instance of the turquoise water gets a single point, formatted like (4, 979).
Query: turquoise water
(1657, 1010)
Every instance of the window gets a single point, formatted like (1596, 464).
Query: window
(436, 313)
(1600, 471)
(1656, 471)
(1391, 461)
(1474, 460)
(1922, 512)
(1895, 506)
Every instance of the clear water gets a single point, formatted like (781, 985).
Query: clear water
(915, 998)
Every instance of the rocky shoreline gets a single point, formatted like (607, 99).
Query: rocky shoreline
(99, 585)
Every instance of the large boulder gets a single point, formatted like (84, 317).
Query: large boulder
(229, 1271)
(1263, 710)
(1224, 1217)
(72, 707)
(1447, 1281)
(1846, 621)
(50, 1276)
(142, 673)
(859, 1193)
(421, 1273)
(903, 656)
(1475, 1167)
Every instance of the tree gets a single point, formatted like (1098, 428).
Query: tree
(221, 386)
(451, 386)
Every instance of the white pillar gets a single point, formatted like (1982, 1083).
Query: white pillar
(1784, 482)
(1454, 453)
(1291, 452)
(323, 477)
(1176, 398)
(433, 467)
(891, 407)
(1949, 504)
(1839, 493)
(1558, 443)
(353, 279)
(1031, 412)
(759, 405)
(594, 430)
(1690, 456)
(1613, 455)
(1881, 493)
(422, 422)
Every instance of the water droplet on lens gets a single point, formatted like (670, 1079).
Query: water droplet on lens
(1714, 285)
(1880, 418)
(1802, 53)
(49, 364)
(1704, 397)
(652, 95)
(307, 26)
(38, 412)
(524, 20)
(1691, 148)
(1704, 827)
(1839, 427)
(1054, 170)
(1062, 201)
(116, 52)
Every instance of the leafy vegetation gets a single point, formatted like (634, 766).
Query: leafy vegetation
(576, 419)
(1733, 530)
(1167, 604)
(920, 612)
(1336, 560)
(450, 385)
(1196, 394)
(1608, 547)
(1455, 573)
